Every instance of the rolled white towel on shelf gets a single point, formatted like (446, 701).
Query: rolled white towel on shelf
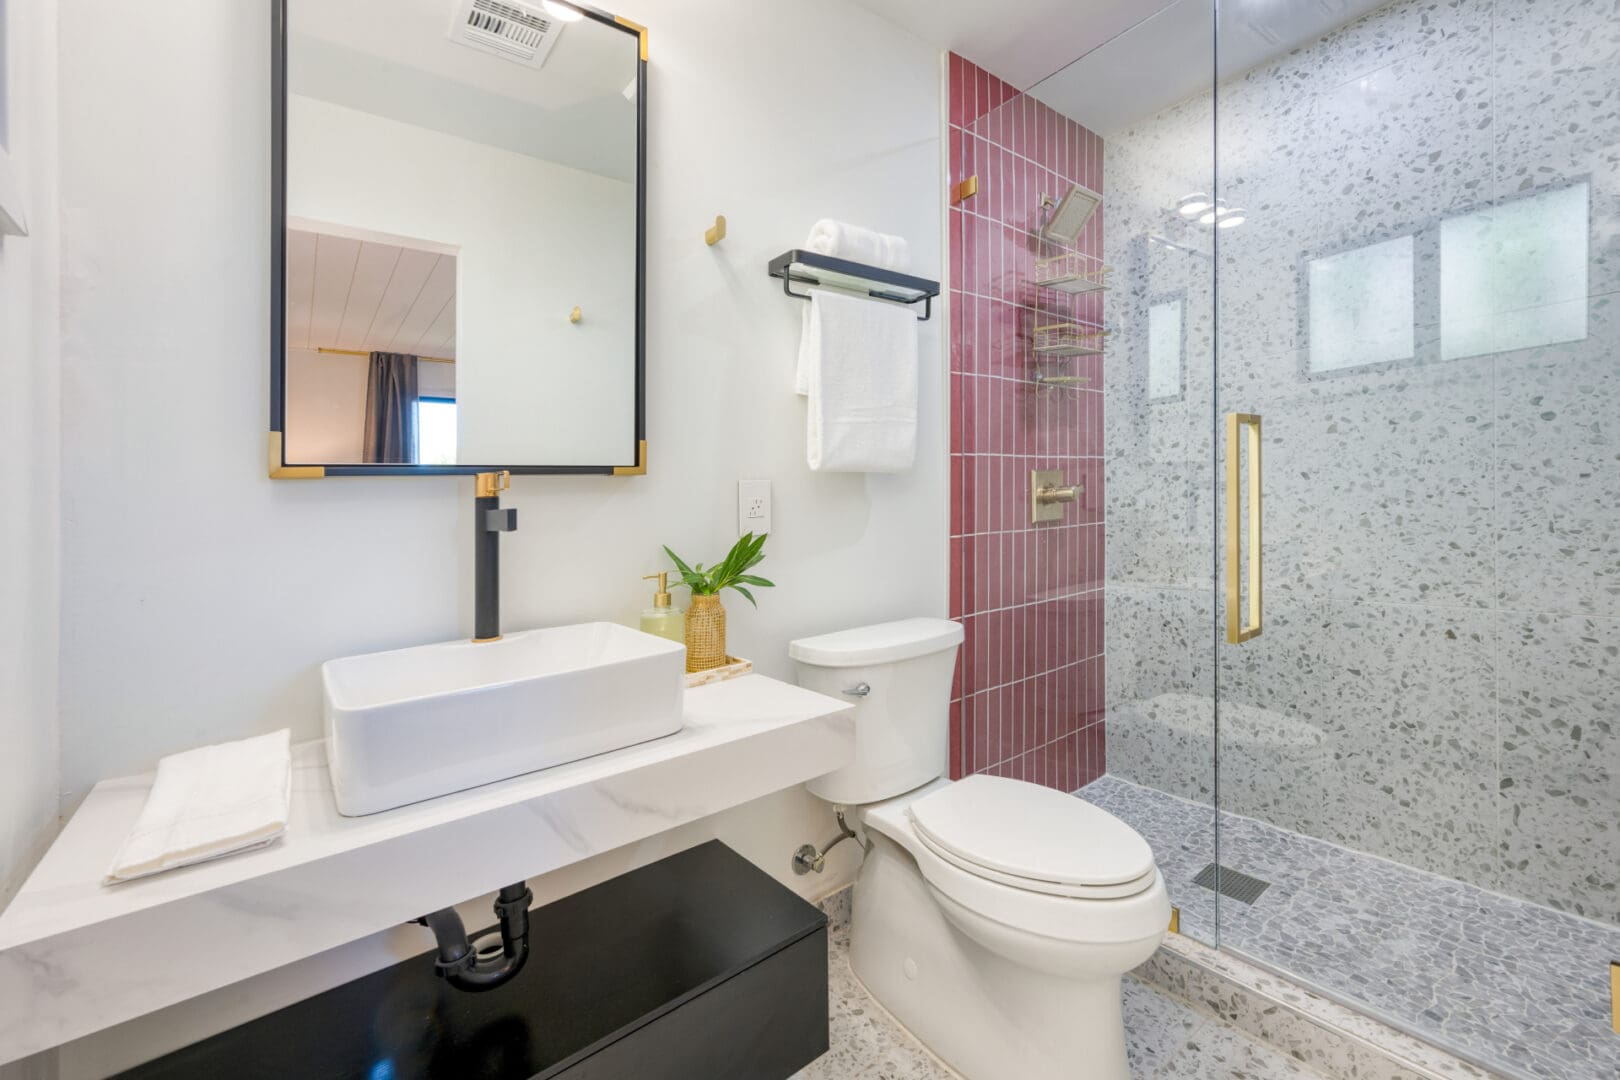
(842, 240)
(209, 802)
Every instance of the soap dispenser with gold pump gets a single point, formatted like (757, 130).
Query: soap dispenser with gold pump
(663, 618)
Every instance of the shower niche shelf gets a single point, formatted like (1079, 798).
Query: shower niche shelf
(1069, 339)
(1072, 272)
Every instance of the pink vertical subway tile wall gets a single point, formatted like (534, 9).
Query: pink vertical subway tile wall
(1028, 697)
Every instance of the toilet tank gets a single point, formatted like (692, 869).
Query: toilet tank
(902, 720)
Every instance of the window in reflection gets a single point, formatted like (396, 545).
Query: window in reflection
(1513, 276)
(1165, 357)
(435, 431)
(1360, 306)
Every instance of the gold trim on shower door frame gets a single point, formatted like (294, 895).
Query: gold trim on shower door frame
(1238, 628)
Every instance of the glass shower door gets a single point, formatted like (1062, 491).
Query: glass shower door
(1147, 94)
(1418, 639)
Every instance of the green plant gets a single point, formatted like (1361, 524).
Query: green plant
(730, 573)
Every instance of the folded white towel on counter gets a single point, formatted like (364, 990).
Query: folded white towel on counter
(858, 366)
(844, 241)
(208, 802)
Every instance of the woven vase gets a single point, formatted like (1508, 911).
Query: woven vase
(705, 634)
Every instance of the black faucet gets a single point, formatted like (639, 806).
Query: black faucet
(489, 521)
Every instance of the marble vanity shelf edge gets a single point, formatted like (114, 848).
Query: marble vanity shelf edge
(77, 957)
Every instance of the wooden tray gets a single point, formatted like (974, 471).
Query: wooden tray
(732, 668)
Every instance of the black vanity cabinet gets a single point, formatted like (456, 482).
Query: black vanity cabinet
(696, 967)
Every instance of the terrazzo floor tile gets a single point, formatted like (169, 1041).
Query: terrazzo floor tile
(1216, 1052)
(1519, 988)
(1165, 1039)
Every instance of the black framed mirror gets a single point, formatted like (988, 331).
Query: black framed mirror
(458, 238)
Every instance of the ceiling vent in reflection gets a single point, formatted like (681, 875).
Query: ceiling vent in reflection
(519, 32)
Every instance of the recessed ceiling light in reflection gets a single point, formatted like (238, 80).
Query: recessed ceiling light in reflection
(1211, 212)
(1193, 205)
(561, 12)
(1227, 219)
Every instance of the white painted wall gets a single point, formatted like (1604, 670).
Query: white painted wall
(200, 597)
(29, 417)
(326, 405)
(533, 240)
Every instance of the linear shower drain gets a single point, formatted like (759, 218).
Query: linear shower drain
(1231, 883)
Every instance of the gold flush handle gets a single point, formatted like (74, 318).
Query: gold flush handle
(1243, 621)
(491, 484)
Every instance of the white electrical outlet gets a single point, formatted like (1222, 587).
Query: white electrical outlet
(753, 506)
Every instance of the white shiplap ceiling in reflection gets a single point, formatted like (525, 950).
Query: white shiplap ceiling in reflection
(344, 293)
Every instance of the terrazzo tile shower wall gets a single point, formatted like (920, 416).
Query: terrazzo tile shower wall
(1028, 698)
(1424, 305)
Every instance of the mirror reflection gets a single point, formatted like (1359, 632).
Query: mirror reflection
(461, 280)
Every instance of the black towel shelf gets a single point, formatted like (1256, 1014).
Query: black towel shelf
(813, 268)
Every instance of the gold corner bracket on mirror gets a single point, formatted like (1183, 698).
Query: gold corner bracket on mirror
(639, 468)
(640, 30)
(281, 471)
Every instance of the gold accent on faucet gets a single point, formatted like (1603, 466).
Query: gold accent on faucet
(490, 484)
(1175, 920)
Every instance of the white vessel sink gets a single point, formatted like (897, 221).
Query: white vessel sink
(413, 724)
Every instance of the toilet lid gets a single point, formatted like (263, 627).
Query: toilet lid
(1026, 832)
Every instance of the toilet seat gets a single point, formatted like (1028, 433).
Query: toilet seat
(1045, 888)
(1034, 838)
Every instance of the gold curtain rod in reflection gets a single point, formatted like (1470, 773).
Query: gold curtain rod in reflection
(368, 352)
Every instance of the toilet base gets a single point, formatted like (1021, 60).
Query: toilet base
(986, 1017)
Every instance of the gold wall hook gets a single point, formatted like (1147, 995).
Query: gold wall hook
(575, 315)
(965, 190)
(717, 233)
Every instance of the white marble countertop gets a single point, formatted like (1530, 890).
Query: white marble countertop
(77, 956)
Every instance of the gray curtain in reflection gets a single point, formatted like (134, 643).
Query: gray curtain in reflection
(390, 437)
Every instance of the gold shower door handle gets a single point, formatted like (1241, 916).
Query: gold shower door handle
(1242, 625)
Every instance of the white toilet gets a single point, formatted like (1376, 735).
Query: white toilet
(994, 918)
